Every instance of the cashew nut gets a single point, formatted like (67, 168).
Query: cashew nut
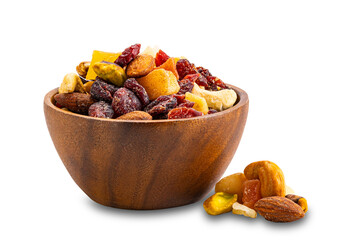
(219, 100)
(270, 175)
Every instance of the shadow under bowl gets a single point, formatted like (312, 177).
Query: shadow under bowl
(149, 164)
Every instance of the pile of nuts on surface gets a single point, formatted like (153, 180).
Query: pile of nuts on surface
(142, 86)
(260, 189)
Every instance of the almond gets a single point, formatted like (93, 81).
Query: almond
(136, 115)
(279, 209)
(75, 102)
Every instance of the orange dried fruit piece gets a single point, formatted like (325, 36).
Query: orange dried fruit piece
(99, 56)
(233, 184)
(252, 192)
(159, 82)
(140, 66)
(170, 65)
(200, 102)
(219, 203)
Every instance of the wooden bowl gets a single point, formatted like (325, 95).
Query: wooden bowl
(149, 164)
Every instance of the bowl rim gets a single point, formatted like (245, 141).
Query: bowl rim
(241, 94)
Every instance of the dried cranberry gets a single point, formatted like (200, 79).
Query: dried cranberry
(180, 98)
(102, 91)
(101, 110)
(184, 67)
(125, 101)
(128, 55)
(186, 85)
(160, 58)
(162, 105)
(186, 104)
(214, 83)
(212, 111)
(203, 71)
(139, 90)
(183, 112)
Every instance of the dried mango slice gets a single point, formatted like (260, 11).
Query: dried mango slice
(99, 56)
(200, 102)
(170, 65)
(110, 72)
(219, 203)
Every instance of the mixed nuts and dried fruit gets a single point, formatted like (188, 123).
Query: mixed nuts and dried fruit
(142, 86)
(260, 189)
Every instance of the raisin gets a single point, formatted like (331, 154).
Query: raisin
(101, 110)
(125, 101)
(160, 58)
(102, 91)
(212, 111)
(139, 90)
(186, 85)
(128, 55)
(251, 192)
(162, 105)
(203, 71)
(183, 112)
(184, 67)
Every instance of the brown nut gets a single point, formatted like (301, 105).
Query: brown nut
(270, 175)
(75, 102)
(140, 66)
(279, 209)
(301, 201)
(83, 68)
(232, 184)
(136, 115)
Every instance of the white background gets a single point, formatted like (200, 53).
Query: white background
(298, 61)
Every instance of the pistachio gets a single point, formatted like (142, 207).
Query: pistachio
(110, 72)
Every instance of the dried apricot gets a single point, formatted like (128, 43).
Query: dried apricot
(252, 192)
(170, 65)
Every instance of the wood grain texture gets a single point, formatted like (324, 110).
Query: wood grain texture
(149, 164)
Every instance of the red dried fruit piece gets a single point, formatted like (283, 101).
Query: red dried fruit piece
(75, 101)
(160, 58)
(183, 112)
(125, 101)
(186, 104)
(184, 67)
(180, 98)
(102, 91)
(101, 110)
(214, 83)
(251, 193)
(212, 111)
(186, 85)
(203, 71)
(139, 90)
(128, 55)
(160, 106)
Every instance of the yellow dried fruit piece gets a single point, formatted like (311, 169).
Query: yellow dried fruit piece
(240, 209)
(219, 203)
(159, 82)
(200, 102)
(110, 72)
(71, 83)
(99, 56)
(219, 100)
(233, 184)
